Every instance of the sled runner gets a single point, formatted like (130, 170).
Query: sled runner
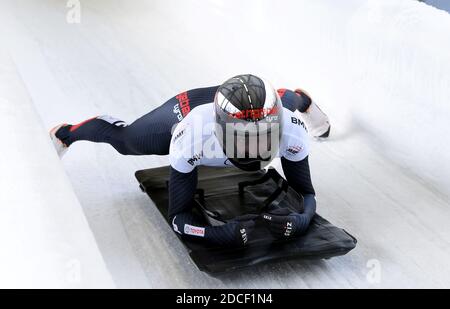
(227, 193)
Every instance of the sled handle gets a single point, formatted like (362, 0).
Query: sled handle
(271, 174)
(201, 195)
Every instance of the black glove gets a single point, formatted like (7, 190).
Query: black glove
(245, 229)
(283, 223)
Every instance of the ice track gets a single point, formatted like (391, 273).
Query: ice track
(380, 69)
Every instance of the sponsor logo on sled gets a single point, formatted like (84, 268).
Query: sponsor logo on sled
(194, 230)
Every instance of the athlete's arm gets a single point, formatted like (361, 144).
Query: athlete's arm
(284, 223)
(298, 176)
(182, 187)
(295, 163)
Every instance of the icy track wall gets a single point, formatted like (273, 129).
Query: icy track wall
(401, 52)
(385, 68)
(45, 239)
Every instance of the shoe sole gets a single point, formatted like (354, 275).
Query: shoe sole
(60, 147)
(326, 134)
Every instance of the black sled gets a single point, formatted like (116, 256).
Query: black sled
(227, 193)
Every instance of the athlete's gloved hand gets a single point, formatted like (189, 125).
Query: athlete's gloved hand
(283, 223)
(245, 228)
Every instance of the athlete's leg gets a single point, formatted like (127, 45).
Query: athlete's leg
(148, 135)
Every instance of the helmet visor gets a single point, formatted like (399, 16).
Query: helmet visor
(250, 141)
